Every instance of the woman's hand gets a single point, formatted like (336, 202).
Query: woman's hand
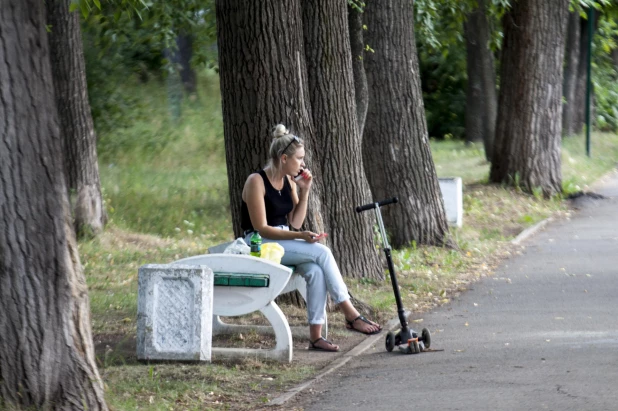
(309, 236)
(304, 183)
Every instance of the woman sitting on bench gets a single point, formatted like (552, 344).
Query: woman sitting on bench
(272, 201)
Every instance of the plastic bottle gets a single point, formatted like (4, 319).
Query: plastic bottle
(256, 244)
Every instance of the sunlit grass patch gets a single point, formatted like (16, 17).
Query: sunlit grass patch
(214, 386)
(579, 170)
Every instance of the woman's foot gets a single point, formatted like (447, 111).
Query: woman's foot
(363, 325)
(323, 345)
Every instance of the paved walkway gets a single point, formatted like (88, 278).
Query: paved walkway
(541, 334)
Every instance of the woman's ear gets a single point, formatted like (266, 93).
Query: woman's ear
(284, 158)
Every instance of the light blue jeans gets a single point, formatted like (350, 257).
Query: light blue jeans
(315, 262)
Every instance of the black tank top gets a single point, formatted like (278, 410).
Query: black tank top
(278, 204)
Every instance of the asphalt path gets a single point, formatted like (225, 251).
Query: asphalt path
(540, 334)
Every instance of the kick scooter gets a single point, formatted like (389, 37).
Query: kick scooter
(407, 340)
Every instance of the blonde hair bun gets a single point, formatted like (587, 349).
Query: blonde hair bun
(279, 131)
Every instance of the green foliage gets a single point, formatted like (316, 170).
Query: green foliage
(106, 74)
(443, 81)
(605, 75)
(357, 5)
(442, 59)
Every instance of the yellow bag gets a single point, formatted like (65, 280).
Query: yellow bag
(272, 252)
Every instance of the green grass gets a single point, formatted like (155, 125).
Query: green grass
(165, 177)
(165, 186)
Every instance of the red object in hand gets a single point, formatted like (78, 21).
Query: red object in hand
(300, 175)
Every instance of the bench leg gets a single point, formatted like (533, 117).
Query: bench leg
(283, 335)
(283, 350)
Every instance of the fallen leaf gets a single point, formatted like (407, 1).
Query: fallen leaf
(547, 340)
(466, 324)
(420, 320)
(476, 305)
(241, 337)
(559, 318)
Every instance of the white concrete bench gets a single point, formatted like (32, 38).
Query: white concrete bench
(242, 285)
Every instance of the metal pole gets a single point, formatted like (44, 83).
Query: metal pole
(588, 76)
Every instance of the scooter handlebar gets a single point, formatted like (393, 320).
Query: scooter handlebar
(371, 206)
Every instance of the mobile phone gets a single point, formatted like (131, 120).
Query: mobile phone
(300, 175)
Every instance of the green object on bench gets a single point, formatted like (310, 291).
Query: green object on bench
(242, 279)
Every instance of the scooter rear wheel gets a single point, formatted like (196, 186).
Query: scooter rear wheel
(426, 337)
(390, 341)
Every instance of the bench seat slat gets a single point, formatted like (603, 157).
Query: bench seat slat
(242, 280)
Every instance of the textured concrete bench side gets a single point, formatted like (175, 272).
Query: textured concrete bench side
(174, 312)
(451, 189)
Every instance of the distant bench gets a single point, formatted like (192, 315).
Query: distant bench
(244, 284)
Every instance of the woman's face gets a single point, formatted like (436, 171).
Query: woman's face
(293, 164)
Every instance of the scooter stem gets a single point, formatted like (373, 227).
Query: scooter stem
(400, 310)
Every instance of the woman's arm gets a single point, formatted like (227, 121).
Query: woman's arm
(253, 194)
(299, 212)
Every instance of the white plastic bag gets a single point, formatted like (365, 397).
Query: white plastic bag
(238, 246)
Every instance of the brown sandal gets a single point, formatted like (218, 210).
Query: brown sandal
(313, 345)
(350, 325)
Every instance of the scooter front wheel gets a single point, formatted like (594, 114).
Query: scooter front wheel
(426, 337)
(390, 341)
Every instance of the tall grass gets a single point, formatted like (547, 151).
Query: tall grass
(167, 177)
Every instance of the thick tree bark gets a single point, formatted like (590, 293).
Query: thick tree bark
(76, 126)
(396, 150)
(46, 351)
(263, 83)
(338, 142)
(572, 51)
(357, 45)
(527, 147)
(481, 97)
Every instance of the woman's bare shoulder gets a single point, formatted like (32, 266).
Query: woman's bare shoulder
(254, 183)
(255, 178)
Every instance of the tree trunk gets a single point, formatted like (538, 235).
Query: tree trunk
(76, 126)
(572, 51)
(263, 83)
(184, 54)
(338, 143)
(481, 99)
(396, 150)
(357, 45)
(527, 147)
(46, 351)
